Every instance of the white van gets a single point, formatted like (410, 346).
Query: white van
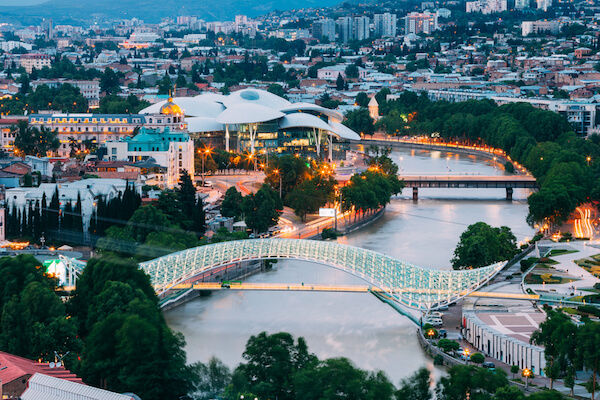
(434, 321)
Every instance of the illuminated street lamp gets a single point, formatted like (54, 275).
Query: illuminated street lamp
(204, 153)
(430, 333)
(526, 374)
(588, 160)
(466, 354)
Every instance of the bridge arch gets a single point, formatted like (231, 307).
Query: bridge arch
(410, 285)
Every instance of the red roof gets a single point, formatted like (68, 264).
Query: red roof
(13, 367)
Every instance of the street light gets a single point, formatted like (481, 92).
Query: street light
(278, 173)
(466, 354)
(430, 333)
(204, 153)
(588, 160)
(526, 374)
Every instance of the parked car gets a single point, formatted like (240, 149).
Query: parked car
(442, 333)
(488, 364)
(434, 321)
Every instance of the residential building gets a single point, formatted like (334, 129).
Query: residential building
(385, 24)
(37, 61)
(544, 4)
(361, 28)
(324, 28)
(487, 6)
(521, 4)
(528, 27)
(344, 29)
(424, 22)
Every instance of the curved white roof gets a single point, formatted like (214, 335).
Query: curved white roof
(292, 107)
(255, 96)
(343, 131)
(202, 124)
(218, 97)
(248, 113)
(191, 106)
(297, 120)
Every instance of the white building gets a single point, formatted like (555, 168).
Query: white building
(171, 150)
(528, 27)
(425, 22)
(521, 4)
(487, 6)
(544, 4)
(37, 61)
(385, 24)
(361, 28)
(324, 28)
(344, 28)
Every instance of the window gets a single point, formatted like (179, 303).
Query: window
(113, 150)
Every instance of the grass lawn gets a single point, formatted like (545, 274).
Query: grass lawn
(560, 252)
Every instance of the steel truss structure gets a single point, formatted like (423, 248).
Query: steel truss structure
(410, 285)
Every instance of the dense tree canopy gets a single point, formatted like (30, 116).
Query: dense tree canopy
(481, 245)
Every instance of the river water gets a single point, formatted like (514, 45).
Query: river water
(357, 325)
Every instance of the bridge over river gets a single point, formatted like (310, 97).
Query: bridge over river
(508, 182)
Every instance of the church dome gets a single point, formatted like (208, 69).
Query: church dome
(170, 108)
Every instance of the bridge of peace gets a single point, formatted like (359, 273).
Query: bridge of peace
(394, 281)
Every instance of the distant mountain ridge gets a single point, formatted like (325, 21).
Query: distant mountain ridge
(151, 11)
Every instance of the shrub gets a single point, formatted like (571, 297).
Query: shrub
(438, 360)
(509, 167)
(527, 263)
(477, 358)
(329, 233)
(448, 345)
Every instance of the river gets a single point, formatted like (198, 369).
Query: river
(355, 325)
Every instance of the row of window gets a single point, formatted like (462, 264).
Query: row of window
(84, 120)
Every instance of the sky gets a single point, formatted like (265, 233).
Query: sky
(20, 2)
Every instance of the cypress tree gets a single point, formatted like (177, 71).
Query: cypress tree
(30, 221)
(44, 214)
(54, 211)
(67, 219)
(37, 218)
(24, 227)
(199, 218)
(78, 218)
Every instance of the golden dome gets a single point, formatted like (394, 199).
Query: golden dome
(171, 108)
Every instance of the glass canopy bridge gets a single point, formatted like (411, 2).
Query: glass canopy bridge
(408, 285)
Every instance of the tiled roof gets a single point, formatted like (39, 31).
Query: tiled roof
(13, 367)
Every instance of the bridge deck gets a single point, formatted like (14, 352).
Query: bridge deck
(328, 288)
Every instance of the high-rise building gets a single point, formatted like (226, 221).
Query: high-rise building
(385, 24)
(324, 28)
(425, 22)
(487, 6)
(544, 4)
(361, 28)
(521, 4)
(344, 28)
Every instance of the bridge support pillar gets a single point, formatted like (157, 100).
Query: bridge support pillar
(415, 194)
(509, 193)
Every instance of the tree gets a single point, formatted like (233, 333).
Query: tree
(337, 378)
(416, 387)
(339, 83)
(187, 193)
(276, 89)
(557, 334)
(232, 203)
(109, 81)
(362, 100)
(482, 245)
(360, 121)
(262, 210)
(310, 195)
(509, 393)
(467, 381)
(34, 141)
(293, 170)
(477, 358)
(514, 369)
(448, 345)
(271, 363)
(352, 71)
(213, 378)
(588, 352)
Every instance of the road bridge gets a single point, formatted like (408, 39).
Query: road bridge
(508, 182)
(409, 285)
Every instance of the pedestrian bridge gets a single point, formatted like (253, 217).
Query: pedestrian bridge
(410, 285)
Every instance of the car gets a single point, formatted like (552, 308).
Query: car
(488, 364)
(436, 314)
(208, 184)
(442, 333)
(434, 321)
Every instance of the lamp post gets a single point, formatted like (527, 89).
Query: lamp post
(466, 354)
(526, 374)
(430, 333)
(204, 154)
(448, 165)
(279, 173)
(588, 160)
